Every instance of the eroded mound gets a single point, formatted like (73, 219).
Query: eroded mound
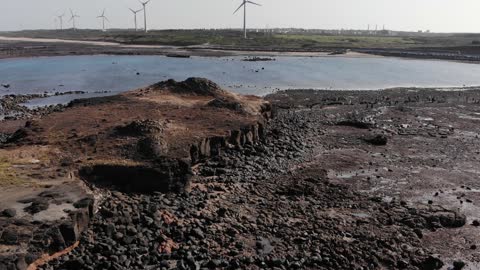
(191, 86)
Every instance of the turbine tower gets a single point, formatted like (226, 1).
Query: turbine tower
(60, 19)
(244, 5)
(135, 16)
(73, 19)
(144, 4)
(103, 17)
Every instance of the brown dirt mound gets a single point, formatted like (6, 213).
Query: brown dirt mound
(191, 86)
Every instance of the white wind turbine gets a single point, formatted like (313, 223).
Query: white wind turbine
(73, 19)
(60, 19)
(103, 17)
(144, 4)
(135, 16)
(244, 5)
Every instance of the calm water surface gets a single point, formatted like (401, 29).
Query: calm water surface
(119, 73)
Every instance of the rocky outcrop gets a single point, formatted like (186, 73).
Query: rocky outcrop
(30, 241)
(167, 175)
(191, 86)
(143, 142)
(237, 139)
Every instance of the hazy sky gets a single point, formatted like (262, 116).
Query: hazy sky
(435, 15)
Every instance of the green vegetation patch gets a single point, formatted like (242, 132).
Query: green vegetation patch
(8, 176)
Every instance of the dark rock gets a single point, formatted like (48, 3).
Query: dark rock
(153, 147)
(379, 140)
(227, 104)
(356, 123)
(38, 205)
(458, 265)
(196, 86)
(432, 263)
(476, 223)
(264, 247)
(69, 233)
(9, 237)
(140, 128)
(9, 212)
(87, 203)
(166, 176)
(18, 136)
(198, 233)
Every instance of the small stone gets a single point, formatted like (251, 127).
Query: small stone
(198, 233)
(458, 265)
(476, 223)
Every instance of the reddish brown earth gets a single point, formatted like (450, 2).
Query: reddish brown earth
(335, 180)
(144, 140)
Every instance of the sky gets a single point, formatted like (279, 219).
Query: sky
(405, 15)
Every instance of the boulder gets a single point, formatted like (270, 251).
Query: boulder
(9, 212)
(9, 237)
(379, 140)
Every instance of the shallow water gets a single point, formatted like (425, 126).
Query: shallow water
(119, 73)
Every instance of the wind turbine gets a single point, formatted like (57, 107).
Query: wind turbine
(103, 20)
(244, 5)
(60, 18)
(135, 16)
(73, 19)
(144, 4)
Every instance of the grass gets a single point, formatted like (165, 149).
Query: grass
(8, 176)
(350, 41)
(233, 38)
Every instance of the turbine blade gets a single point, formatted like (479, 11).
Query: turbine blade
(107, 19)
(132, 10)
(253, 3)
(239, 7)
(71, 11)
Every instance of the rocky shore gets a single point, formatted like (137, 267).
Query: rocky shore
(12, 108)
(329, 180)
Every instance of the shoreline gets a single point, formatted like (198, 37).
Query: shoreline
(14, 104)
(14, 47)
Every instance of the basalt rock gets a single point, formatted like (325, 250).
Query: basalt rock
(378, 140)
(227, 104)
(9, 213)
(153, 147)
(213, 146)
(140, 128)
(165, 175)
(196, 86)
